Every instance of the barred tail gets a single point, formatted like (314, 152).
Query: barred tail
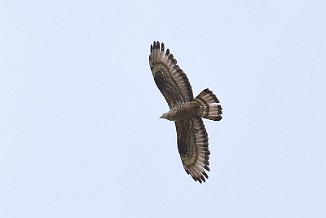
(211, 108)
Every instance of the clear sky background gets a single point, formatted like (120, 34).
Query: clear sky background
(80, 134)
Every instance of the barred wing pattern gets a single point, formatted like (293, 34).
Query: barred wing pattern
(193, 147)
(169, 78)
(192, 138)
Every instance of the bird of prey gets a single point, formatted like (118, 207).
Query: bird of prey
(185, 110)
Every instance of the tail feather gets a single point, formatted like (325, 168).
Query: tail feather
(211, 108)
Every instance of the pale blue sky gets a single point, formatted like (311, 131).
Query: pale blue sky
(80, 134)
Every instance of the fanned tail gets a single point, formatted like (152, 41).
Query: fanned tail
(211, 108)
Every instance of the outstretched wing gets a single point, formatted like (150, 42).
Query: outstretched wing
(193, 147)
(169, 78)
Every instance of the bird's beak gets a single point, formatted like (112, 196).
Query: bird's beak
(161, 116)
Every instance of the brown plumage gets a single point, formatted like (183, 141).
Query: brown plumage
(185, 111)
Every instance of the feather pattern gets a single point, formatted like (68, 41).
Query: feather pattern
(185, 111)
(168, 76)
(192, 142)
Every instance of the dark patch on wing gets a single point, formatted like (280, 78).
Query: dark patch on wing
(184, 132)
(182, 147)
(168, 88)
(160, 81)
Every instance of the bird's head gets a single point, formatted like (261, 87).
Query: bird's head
(165, 116)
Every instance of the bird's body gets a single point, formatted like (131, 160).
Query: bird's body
(185, 111)
(182, 111)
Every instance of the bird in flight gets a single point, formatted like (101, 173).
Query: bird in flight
(185, 110)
